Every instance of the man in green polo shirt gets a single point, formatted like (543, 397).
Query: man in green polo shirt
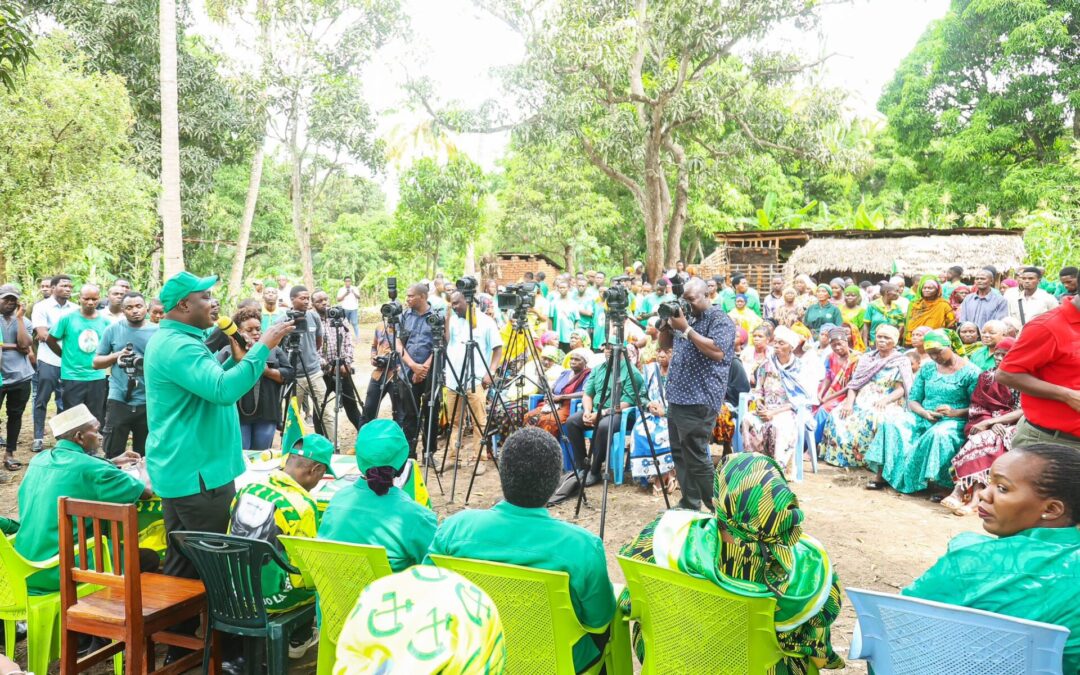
(70, 469)
(193, 450)
(598, 414)
(75, 339)
(520, 531)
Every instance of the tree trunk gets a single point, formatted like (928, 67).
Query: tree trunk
(470, 259)
(679, 209)
(568, 254)
(169, 205)
(237, 275)
(303, 240)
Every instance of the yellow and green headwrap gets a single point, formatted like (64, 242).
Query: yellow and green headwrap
(422, 621)
(938, 337)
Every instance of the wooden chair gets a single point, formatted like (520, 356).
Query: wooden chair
(133, 610)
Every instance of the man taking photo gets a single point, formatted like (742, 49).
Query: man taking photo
(702, 344)
(416, 350)
(193, 450)
(310, 388)
(349, 300)
(337, 350)
(126, 408)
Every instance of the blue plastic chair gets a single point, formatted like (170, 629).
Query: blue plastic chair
(805, 440)
(617, 461)
(740, 415)
(898, 635)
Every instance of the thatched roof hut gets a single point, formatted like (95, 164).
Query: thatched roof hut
(863, 254)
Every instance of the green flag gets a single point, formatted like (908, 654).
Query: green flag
(294, 425)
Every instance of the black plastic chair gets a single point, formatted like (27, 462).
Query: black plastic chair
(231, 570)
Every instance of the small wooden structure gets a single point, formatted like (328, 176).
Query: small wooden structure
(509, 268)
(861, 254)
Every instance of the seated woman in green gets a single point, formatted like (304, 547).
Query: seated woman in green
(754, 545)
(1028, 569)
(374, 511)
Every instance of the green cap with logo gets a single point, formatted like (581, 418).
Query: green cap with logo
(316, 448)
(179, 286)
(381, 443)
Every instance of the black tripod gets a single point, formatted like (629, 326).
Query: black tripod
(296, 360)
(337, 364)
(616, 324)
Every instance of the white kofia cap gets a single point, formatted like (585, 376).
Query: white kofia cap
(70, 420)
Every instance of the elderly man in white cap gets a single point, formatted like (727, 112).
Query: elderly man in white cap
(70, 469)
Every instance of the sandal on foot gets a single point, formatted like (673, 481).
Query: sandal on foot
(875, 485)
(12, 464)
(952, 502)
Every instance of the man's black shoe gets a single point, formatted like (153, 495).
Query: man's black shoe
(175, 654)
(569, 488)
(592, 479)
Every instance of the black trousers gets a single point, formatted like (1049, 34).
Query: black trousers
(348, 399)
(92, 393)
(121, 420)
(575, 433)
(690, 429)
(206, 511)
(17, 395)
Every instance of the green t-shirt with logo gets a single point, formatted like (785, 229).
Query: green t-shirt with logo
(79, 336)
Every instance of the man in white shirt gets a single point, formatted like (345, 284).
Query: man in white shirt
(349, 299)
(46, 314)
(1028, 300)
(486, 335)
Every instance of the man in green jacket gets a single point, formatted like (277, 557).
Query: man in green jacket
(193, 451)
(520, 531)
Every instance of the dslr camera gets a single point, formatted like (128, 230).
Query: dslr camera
(676, 307)
(391, 311)
(467, 287)
(437, 321)
(131, 364)
(335, 313)
(517, 296)
(291, 343)
(617, 297)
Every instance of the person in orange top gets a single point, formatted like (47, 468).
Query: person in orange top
(930, 310)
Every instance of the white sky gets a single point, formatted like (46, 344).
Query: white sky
(456, 46)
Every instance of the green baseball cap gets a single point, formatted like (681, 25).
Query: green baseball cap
(180, 285)
(316, 448)
(381, 443)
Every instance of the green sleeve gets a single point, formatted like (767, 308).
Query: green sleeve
(438, 544)
(918, 388)
(116, 486)
(595, 594)
(423, 535)
(60, 329)
(204, 376)
(590, 385)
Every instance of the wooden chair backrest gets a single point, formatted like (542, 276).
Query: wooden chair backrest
(114, 530)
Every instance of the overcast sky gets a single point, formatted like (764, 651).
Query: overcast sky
(457, 45)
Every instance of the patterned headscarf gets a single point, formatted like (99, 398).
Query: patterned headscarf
(421, 621)
(755, 505)
(938, 337)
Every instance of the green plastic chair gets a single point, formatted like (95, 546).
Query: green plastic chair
(691, 625)
(338, 571)
(539, 623)
(231, 569)
(40, 612)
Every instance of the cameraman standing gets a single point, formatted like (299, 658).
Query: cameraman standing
(337, 333)
(349, 299)
(704, 343)
(415, 344)
(122, 342)
(309, 381)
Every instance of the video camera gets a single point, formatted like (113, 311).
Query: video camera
(517, 296)
(391, 311)
(676, 307)
(131, 364)
(467, 287)
(336, 313)
(291, 342)
(617, 297)
(436, 320)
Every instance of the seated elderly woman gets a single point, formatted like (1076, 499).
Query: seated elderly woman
(992, 417)
(916, 449)
(839, 367)
(876, 391)
(758, 351)
(929, 310)
(753, 546)
(781, 401)
(567, 386)
(790, 312)
(970, 339)
(743, 316)
(992, 333)
(1028, 568)
(642, 461)
(918, 348)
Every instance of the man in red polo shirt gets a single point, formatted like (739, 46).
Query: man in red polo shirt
(1044, 366)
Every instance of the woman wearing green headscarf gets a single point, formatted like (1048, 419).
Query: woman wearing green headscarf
(754, 546)
(915, 449)
(822, 312)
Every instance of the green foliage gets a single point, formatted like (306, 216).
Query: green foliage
(71, 197)
(16, 43)
(439, 206)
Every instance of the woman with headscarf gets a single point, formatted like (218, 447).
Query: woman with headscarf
(642, 465)
(758, 351)
(804, 291)
(991, 334)
(885, 310)
(875, 392)
(919, 348)
(930, 310)
(914, 450)
(957, 297)
(373, 510)
(854, 337)
(822, 312)
(836, 291)
(790, 311)
(852, 311)
(381, 636)
(568, 386)
(780, 402)
(970, 339)
(754, 546)
(743, 316)
(991, 424)
(839, 367)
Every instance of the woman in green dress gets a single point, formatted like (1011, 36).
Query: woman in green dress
(993, 332)
(1028, 568)
(754, 546)
(877, 391)
(885, 310)
(916, 449)
(822, 311)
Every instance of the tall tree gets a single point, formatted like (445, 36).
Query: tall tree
(16, 42)
(647, 89)
(171, 225)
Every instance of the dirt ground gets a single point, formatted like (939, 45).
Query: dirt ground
(877, 540)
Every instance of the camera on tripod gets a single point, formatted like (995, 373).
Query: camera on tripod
(436, 319)
(467, 287)
(391, 311)
(336, 313)
(291, 342)
(131, 364)
(517, 296)
(617, 297)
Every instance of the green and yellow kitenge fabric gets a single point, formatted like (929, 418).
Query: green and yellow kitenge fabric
(764, 553)
(422, 621)
(277, 506)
